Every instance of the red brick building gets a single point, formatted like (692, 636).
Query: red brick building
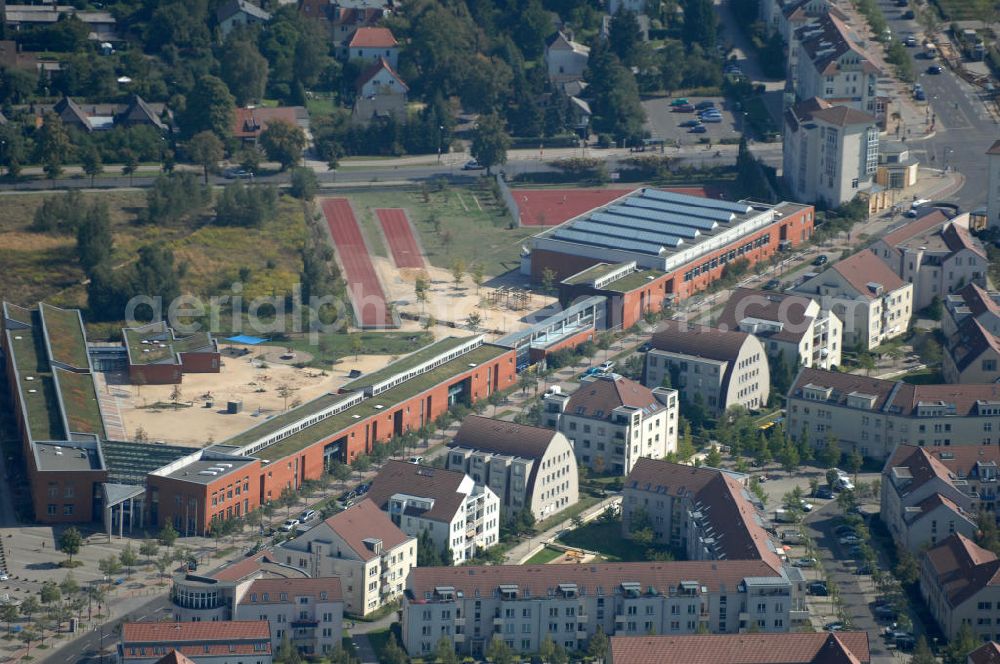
(157, 356)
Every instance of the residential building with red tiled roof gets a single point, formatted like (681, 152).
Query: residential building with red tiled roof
(834, 65)
(218, 642)
(988, 653)
(874, 303)
(370, 44)
(381, 93)
(790, 325)
(250, 123)
(527, 467)
(960, 582)
(798, 648)
(524, 604)
(308, 612)
(875, 415)
(174, 657)
(704, 512)
(363, 547)
(462, 517)
(720, 367)
(614, 421)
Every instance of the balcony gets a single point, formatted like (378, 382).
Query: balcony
(304, 624)
(582, 617)
(744, 616)
(497, 620)
(801, 615)
(459, 638)
(581, 634)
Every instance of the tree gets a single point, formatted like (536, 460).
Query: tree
(960, 646)
(128, 558)
(49, 593)
(490, 142)
(922, 653)
(250, 159)
(867, 362)
(598, 644)
(130, 165)
(699, 23)
(444, 652)
(244, 70)
(392, 653)
(789, 458)
(625, 36)
(713, 459)
(457, 271)
(285, 392)
(70, 542)
(548, 279)
(91, 162)
(205, 149)
(52, 145)
(210, 107)
(13, 151)
(9, 613)
(829, 454)
(168, 535)
(478, 275)
(149, 548)
(155, 274)
(109, 566)
(30, 606)
(616, 105)
(94, 241)
(283, 142)
(499, 652)
(854, 463)
(474, 320)
(304, 184)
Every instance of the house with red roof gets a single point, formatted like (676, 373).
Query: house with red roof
(249, 123)
(960, 582)
(381, 93)
(370, 44)
(797, 648)
(217, 642)
(307, 611)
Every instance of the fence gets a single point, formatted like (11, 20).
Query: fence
(508, 200)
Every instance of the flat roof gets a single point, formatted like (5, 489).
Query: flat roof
(404, 364)
(64, 331)
(156, 344)
(592, 273)
(192, 471)
(129, 462)
(20, 314)
(391, 397)
(79, 398)
(633, 280)
(64, 456)
(280, 421)
(38, 391)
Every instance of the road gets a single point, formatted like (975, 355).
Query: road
(86, 649)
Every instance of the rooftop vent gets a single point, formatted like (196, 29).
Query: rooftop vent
(29, 378)
(379, 406)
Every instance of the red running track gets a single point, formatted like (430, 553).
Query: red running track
(551, 207)
(399, 236)
(362, 281)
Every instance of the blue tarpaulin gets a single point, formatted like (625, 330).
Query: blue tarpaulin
(246, 339)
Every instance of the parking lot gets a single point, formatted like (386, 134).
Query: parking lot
(663, 121)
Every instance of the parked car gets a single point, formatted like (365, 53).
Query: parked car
(648, 346)
(606, 367)
(906, 642)
(822, 259)
(920, 95)
(772, 284)
(680, 101)
(843, 484)
(700, 129)
(817, 588)
(308, 515)
(684, 108)
(472, 165)
(705, 116)
(833, 626)
(289, 525)
(805, 562)
(850, 539)
(908, 15)
(691, 123)
(824, 492)
(884, 613)
(713, 119)
(416, 460)
(363, 488)
(844, 531)
(701, 105)
(237, 174)
(910, 41)
(934, 69)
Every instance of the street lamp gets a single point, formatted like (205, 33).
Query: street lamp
(440, 141)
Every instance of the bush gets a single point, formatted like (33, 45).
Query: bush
(304, 184)
(247, 206)
(173, 197)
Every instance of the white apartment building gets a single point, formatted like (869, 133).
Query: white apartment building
(708, 514)
(833, 65)
(524, 604)
(565, 59)
(960, 582)
(526, 467)
(792, 326)
(364, 548)
(923, 501)
(874, 304)
(720, 368)
(308, 612)
(993, 186)
(612, 422)
(874, 416)
(830, 152)
(460, 515)
(935, 253)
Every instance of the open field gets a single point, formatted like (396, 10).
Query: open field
(606, 539)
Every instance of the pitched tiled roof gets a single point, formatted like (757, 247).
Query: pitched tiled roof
(251, 122)
(962, 568)
(957, 237)
(969, 342)
(598, 397)
(423, 482)
(995, 148)
(843, 116)
(233, 7)
(174, 657)
(925, 222)
(539, 579)
(786, 648)
(699, 340)
(921, 465)
(363, 521)
(239, 570)
(978, 300)
(226, 631)
(843, 384)
(322, 589)
(373, 38)
(926, 506)
(988, 653)
(826, 40)
(864, 268)
(374, 69)
(502, 437)
(785, 308)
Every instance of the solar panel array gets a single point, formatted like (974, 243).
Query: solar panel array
(650, 222)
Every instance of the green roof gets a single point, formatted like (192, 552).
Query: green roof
(79, 400)
(65, 334)
(269, 426)
(20, 314)
(591, 273)
(160, 334)
(43, 417)
(405, 364)
(633, 281)
(389, 398)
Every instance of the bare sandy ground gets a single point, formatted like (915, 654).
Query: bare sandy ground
(240, 378)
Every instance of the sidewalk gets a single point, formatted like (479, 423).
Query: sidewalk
(528, 548)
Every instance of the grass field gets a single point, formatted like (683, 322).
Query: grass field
(474, 233)
(543, 557)
(966, 10)
(335, 346)
(606, 539)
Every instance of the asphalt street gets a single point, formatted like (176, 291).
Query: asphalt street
(87, 649)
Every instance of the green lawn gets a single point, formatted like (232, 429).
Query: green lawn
(543, 557)
(925, 376)
(606, 539)
(475, 235)
(333, 347)
(585, 503)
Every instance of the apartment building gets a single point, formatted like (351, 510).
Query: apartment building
(612, 422)
(975, 302)
(224, 642)
(834, 65)
(364, 548)
(795, 648)
(873, 302)
(792, 326)
(875, 416)
(707, 513)
(971, 327)
(936, 253)
(960, 582)
(830, 151)
(923, 501)
(993, 186)
(526, 467)
(308, 612)
(461, 516)
(524, 604)
(717, 367)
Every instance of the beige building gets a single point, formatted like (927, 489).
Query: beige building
(308, 612)
(526, 467)
(922, 500)
(960, 582)
(364, 548)
(874, 304)
(612, 422)
(719, 368)
(832, 64)
(971, 327)
(874, 415)
(792, 326)
(936, 254)
(462, 517)
(706, 513)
